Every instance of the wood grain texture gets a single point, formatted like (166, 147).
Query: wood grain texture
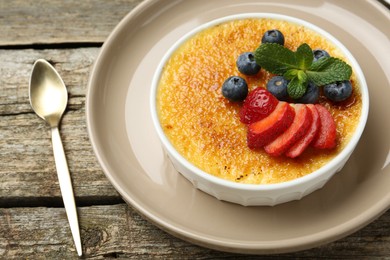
(73, 65)
(25, 22)
(116, 231)
(28, 171)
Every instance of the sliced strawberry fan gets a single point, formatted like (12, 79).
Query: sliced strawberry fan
(283, 128)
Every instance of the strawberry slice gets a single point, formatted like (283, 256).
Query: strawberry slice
(326, 138)
(266, 130)
(298, 128)
(257, 105)
(301, 145)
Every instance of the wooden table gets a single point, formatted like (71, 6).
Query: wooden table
(33, 222)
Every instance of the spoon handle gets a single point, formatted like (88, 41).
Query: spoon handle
(66, 187)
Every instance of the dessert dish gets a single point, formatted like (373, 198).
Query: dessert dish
(202, 106)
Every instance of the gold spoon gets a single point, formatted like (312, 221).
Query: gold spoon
(48, 98)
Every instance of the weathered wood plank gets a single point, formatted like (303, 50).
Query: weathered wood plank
(27, 165)
(117, 231)
(28, 171)
(43, 22)
(74, 66)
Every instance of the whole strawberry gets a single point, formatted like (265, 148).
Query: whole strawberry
(258, 104)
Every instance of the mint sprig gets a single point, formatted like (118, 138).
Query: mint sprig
(328, 70)
(299, 68)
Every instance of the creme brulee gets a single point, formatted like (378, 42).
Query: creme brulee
(205, 127)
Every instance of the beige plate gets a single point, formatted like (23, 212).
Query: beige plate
(130, 154)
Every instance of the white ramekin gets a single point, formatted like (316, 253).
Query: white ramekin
(263, 194)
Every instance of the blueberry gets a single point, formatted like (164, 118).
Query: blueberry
(338, 91)
(277, 86)
(246, 64)
(235, 88)
(311, 95)
(273, 36)
(318, 54)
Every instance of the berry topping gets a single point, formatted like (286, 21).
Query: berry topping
(247, 65)
(338, 91)
(275, 125)
(297, 129)
(298, 67)
(235, 88)
(300, 146)
(258, 104)
(277, 85)
(311, 95)
(318, 54)
(266, 130)
(273, 36)
(326, 137)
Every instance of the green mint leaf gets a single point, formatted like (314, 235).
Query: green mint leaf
(296, 88)
(290, 74)
(298, 83)
(302, 77)
(300, 74)
(304, 56)
(275, 58)
(299, 68)
(328, 70)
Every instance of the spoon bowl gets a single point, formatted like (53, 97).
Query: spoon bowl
(48, 94)
(48, 98)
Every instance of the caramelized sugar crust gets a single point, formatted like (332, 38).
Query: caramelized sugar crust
(205, 127)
